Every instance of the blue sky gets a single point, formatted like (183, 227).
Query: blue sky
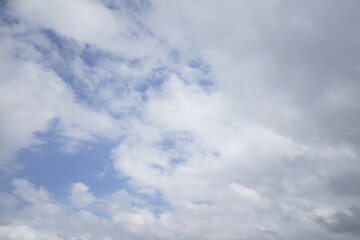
(179, 120)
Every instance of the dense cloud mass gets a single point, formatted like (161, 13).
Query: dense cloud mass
(183, 120)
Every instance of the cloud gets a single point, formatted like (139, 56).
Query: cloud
(33, 96)
(90, 22)
(29, 193)
(80, 195)
(344, 184)
(235, 120)
(77, 22)
(41, 216)
(24, 232)
(343, 222)
(281, 62)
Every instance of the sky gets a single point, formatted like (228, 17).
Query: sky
(179, 120)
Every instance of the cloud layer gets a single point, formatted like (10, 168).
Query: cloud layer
(231, 120)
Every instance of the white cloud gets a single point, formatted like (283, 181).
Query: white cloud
(29, 193)
(91, 22)
(102, 218)
(246, 193)
(77, 21)
(23, 232)
(32, 96)
(80, 195)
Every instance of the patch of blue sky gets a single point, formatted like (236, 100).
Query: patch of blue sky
(5, 180)
(57, 40)
(154, 81)
(200, 65)
(175, 56)
(135, 63)
(132, 10)
(67, 50)
(170, 142)
(54, 169)
(158, 76)
(60, 49)
(204, 78)
(206, 83)
(177, 161)
(92, 55)
(159, 168)
(167, 144)
(155, 201)
(135, 6)
(89, 57)
(5, 17)
(111, 4)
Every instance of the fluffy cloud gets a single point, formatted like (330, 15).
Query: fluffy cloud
(24, 232)
(80, 195)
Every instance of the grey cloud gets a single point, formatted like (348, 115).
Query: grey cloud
(343, 222)
(345, 184)
(315, 52)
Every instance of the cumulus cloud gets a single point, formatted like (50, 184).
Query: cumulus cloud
(24, 232)
(80, 195)
(43, 217)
